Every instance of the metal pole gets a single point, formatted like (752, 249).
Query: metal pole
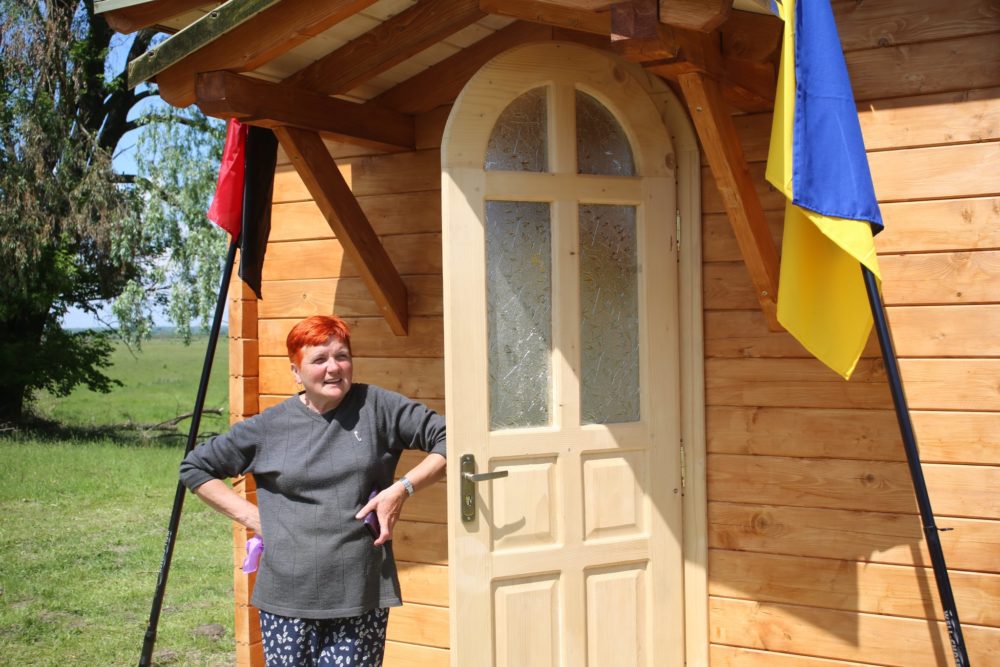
(916, 472)
(145, 657)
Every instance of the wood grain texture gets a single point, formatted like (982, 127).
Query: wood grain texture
(347, 297)
(419, 624)
(864, 535)
(411, 254)
(891, 590)
(872, 638)
(876, 25)
(370, 337)
(734, 656)
(407, 213)
(400, 654)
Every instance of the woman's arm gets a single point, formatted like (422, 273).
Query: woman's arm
(217, 495)
(389, 502)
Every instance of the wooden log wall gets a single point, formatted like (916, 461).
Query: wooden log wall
(305, 273)
(816, 554)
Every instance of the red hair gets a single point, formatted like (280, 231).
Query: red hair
(316, 330)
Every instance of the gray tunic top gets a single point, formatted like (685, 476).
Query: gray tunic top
(313, 473)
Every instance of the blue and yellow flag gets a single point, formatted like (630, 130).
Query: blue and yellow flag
(817, 159)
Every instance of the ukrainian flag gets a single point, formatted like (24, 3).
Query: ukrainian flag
(817, 159)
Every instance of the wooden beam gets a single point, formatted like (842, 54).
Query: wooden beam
(135, 16)
(548, 13)
(228, 95)
(239, 36)
(386, 45)
(637, 34)
(441, 83)
(700, 15)
(334, 198)
(721, 144)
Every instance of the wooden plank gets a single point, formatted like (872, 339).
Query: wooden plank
(347, 297)
(430, 127)
(410, 254)
(833, 484)
(417, 378)
(429, 506)
(744, 334)
(695, 14)
(405, 213)
(360, 243)
(727, 286)
(934, 226)
(905, 122)
(423, 584)
(711, 197)
(370, 337)
(943, 437)
(717, 134)
(817, 433)
(140, 15)
(421, 542)
(866, 536)
(866, 587)
(386, 45)
(256, 102)
(734, 656)
(243, 354)
(398, 654)
(957, 491)
(718, 243)
(419, 624)
(239, 37)
(875, 25)
(547, 13)
(941, 278)
(965, 170)
(395, 173)
(929, 67)
(946, 331)
(871, 638)
(441, 83)
(803, 383)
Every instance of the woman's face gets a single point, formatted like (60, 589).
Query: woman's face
(325, 371)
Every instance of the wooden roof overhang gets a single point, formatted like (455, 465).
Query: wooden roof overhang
(359, 71)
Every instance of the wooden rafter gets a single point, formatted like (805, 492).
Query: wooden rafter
(228, 95)
(441, 83)
(700, 15)
(129, 17)
(717, 133)
(547, 13)
(239, 36)
(386, 45)
(343, 213)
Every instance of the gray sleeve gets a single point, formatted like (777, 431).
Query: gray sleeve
(226, 455)
(411, 424)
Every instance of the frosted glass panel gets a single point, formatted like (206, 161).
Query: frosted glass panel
(519, 141)
(609, 314)
(601, 144)
(519, 312)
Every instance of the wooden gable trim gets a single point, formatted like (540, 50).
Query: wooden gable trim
(717, 132)
(127, 17)
(387, 45)
(239, 36)
(334, 198)
(257, 102)
(700, 15)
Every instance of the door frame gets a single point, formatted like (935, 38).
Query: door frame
(687, 170)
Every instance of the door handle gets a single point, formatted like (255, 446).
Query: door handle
(469, 480)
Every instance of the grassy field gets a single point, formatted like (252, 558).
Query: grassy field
(84, 512)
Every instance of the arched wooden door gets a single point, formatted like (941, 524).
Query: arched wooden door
(562, 366)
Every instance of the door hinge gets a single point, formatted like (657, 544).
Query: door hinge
(683, 467)
(677, 233)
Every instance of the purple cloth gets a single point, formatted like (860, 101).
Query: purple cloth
(255, 548)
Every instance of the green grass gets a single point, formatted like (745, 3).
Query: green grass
(83, 515)
(158, 384)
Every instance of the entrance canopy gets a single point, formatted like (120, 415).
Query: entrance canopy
(367, 72)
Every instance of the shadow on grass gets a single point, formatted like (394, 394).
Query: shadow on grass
(39, 429)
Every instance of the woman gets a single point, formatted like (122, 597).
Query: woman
(324, 585)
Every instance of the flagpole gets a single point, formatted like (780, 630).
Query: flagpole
(916, 472)
(145, 657)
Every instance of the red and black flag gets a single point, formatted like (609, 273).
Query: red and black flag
(242, 200)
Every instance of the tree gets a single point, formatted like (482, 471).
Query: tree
(73, 232)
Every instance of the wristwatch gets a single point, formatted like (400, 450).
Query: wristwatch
(408, 485)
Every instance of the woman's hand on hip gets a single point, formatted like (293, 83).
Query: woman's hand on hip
(387, 505)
